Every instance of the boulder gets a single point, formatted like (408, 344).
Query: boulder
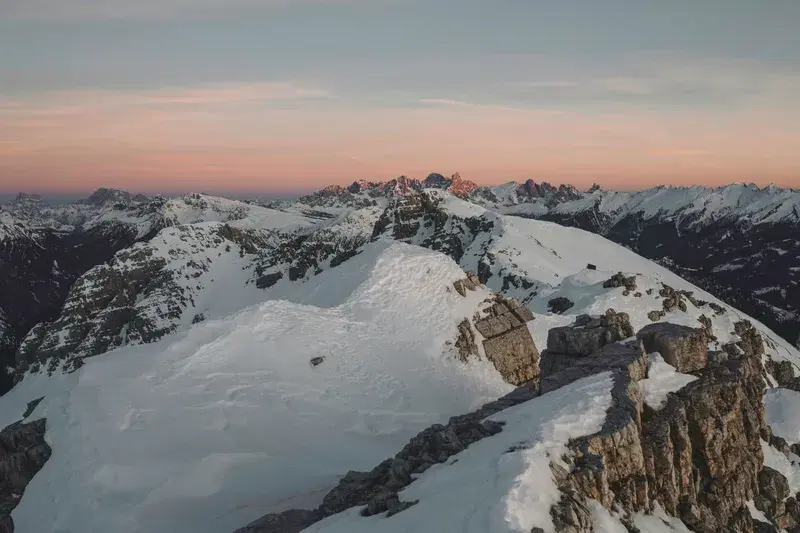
(507, 341)
(514, 355)
(559, 305)
(683, 347)
(588, 334)
(470, 283)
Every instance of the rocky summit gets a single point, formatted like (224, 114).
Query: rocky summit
(407, 355)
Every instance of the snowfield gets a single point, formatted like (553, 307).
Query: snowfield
(210, 429)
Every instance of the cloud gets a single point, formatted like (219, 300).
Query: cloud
(710, 83)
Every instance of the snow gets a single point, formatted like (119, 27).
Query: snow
(788, 466)
(210, 429)
(783, 413)
(756, 514)
(659, 522)
(499, 484)
(662, 379)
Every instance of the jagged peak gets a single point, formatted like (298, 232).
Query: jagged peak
(105, 196)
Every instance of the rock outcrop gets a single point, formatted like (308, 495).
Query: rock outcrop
(560, 305)
(683, 347)
(621, 280)
(377, 489)
(23, 452)
(567, 345)
(507, 342)
(699, 457)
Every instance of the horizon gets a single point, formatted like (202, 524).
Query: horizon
(61, 198)
(281, 97)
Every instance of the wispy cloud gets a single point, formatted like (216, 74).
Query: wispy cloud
(698, 83)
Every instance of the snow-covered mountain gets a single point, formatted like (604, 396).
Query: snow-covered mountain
(45, 248)
(243, 364)
(740, 242)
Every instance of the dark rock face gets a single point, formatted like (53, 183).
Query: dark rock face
(560, 305)
(268, 280)
(36, 274)
(746, 265)
(135, 298)
(23, 452)
(683, 347)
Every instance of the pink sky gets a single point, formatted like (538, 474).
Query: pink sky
(233, 139)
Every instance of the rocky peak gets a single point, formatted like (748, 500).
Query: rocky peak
(104, 196)
(25, 198)
(461, 187)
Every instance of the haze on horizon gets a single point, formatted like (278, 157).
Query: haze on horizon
(286, 96)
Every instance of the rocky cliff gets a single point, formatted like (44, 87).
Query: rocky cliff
(695, 455)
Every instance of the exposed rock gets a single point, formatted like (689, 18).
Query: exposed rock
(508, 342)
(23, 452)
(377, 490)
(699, 456)
(672, 299)
(751, 343)
(560, 305)
(514, 355)
(268, 280)
(587, 335)
(470, 283)
(683, 347)
(656, 315)
(620, 280)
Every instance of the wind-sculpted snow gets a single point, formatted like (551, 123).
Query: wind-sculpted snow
(205, 430)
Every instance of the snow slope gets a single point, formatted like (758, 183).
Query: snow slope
(207, 430)
(502, 484)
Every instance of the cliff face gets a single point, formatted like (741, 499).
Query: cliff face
(696, 454)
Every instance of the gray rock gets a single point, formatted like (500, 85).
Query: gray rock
(560, 305)
(588, 334)
(23, 452)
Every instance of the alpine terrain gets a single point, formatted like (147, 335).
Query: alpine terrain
(402, 356)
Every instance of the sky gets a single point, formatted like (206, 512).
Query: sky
(282, 96)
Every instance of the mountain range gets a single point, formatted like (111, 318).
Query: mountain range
(198, 363)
